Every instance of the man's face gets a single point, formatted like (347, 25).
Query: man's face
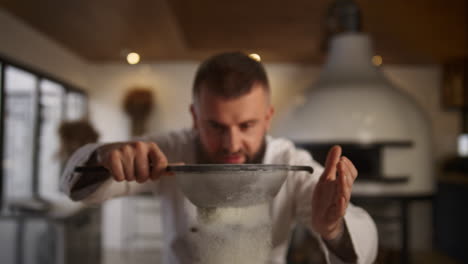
(232, 130)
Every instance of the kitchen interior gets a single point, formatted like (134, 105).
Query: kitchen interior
(387, 80)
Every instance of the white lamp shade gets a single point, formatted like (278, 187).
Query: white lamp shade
(353, 102)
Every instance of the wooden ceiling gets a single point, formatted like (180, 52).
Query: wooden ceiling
(404, 32)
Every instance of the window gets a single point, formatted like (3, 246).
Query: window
(20, 97)
(33, 105)
(76, 106)
(52, 97)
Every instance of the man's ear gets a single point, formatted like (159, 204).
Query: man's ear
(269, 115)
(193, 112)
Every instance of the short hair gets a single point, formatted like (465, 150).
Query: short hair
(229, 75)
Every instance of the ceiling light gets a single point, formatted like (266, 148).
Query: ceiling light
(133, 58)
(377, 60)
(255, 56)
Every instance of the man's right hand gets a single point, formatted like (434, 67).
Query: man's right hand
(131, 161)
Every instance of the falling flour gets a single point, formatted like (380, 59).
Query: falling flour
(233, 235)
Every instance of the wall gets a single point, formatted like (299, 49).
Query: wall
(170, 83)
(25, 45)
(423, 83)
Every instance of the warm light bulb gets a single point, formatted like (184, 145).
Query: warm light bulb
(377, 60)
(255, 56)
(133, 58)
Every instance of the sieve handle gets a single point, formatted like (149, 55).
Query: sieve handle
(100, 169)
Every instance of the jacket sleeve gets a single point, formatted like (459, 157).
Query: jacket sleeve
(359, 225)
(98, 191)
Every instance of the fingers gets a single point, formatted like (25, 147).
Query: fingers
(347, 175)
(341, 208)
(351, 168)
(131, 161)
(325, 192)
(349, 171)
(158, 160)
(331, 162)
(115, 166)
(343, 184)
(142, 167)
(128, 162)
(337, 180)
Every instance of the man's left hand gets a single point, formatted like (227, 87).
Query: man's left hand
(332, 194)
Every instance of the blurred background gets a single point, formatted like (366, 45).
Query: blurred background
(388, 80)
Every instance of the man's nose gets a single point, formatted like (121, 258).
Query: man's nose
(232, 140)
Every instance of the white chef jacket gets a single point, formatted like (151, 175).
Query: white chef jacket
(292, 204)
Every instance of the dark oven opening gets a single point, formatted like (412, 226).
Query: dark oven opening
(366, 157)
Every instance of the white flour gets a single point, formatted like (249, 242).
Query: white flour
(233, 235)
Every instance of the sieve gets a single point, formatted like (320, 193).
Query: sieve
(232, 185)
(227, 185)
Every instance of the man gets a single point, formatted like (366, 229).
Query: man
(231, 114)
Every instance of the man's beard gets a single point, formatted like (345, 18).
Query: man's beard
(203, 158)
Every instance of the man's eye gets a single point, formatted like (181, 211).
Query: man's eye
(246, 126)
(216, 126)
